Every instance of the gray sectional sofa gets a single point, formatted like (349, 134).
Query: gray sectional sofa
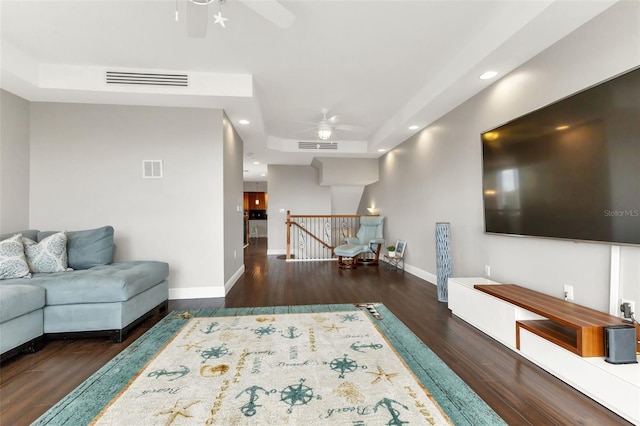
(93, 297)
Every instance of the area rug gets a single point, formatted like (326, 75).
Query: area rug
(318, 364)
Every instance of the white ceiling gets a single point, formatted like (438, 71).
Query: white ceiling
(381, 65)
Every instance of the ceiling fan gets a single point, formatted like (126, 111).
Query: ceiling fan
(198, 14)
(326, 126)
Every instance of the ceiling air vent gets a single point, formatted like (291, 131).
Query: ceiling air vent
(147, 79)
(318, 145)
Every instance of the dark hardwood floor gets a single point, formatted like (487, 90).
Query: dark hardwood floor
(516, 389)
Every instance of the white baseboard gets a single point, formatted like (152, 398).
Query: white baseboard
(427, 276)
(234, 278)
(196, 292)
(276, 252)
(206, 292)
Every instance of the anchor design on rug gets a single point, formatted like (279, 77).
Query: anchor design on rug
(264, 331)
(291, 335)
(249, 409)
(210, 329)
(299, 394)
(374, 346)
(395, 414)
(345, 365)
(215, 352)
(163, 372)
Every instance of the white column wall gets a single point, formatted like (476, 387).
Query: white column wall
(86, 171)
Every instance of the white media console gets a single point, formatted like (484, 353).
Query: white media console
(617, 387)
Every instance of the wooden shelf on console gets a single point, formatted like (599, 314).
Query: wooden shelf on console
(573, 327)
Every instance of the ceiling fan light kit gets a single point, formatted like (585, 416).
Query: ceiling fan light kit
(324, 131)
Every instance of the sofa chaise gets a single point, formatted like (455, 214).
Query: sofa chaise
(88, 296)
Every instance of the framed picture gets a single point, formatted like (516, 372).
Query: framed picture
(400, 246)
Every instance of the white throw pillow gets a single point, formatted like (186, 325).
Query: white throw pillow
(12, 260)
(49, 255)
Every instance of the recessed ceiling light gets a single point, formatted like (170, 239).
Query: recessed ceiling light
(487, 75)
(262, 174)
(564, 127)
(414, 127)
(381, 150)
(243, 121)
(256, 162)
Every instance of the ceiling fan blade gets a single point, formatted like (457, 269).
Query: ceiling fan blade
(315, 123)
(334, 119)
(314, 128)
(349, 128)
(197, 19)
(272, 10)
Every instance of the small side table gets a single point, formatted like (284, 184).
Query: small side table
(394, 262)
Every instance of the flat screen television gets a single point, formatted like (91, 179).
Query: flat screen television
(570, 170)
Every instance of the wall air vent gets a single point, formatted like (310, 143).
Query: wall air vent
(318, 145)
(147, 79)
(152, 169)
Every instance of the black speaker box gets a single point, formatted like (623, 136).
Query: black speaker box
(620, 344)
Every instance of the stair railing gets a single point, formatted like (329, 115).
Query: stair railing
(313, 237)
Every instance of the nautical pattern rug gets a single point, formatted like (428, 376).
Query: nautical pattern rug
(333, 364)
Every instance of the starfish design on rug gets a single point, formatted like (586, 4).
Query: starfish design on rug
(333, 327)
(381, 374)
(190, 346)
(177, 411)
(184, 315)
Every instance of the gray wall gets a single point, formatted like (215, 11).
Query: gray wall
(233, 204)
(86, 171)
(436, 175)
(14, 163)
(292, 188)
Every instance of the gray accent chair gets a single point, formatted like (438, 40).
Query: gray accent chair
(364, 248)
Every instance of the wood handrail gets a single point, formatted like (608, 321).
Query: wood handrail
(301, 222)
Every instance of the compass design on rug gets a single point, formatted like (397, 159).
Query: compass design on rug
(265, 331)
(215, 352)
(299, 394)
(348, 318)
(344, 365)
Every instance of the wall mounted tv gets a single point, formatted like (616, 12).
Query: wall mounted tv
(570, 170)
